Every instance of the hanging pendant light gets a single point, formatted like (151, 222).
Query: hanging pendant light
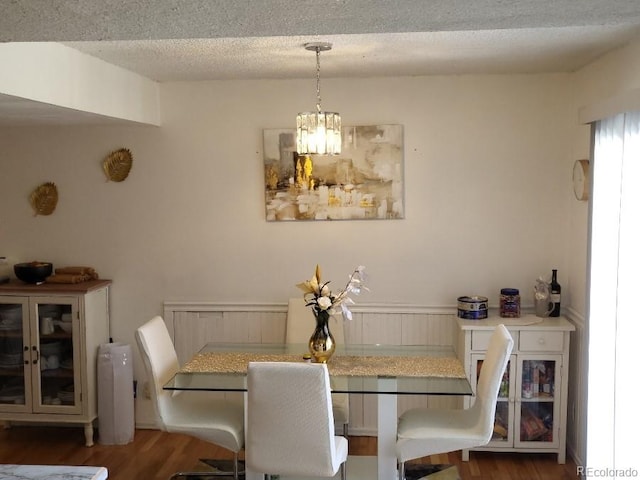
(318, 132)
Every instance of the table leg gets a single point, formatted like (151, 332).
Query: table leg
(387, 430)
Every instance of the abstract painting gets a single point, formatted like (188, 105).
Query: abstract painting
(364, 182)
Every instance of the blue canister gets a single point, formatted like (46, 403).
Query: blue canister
(509, 303)
(472, 307)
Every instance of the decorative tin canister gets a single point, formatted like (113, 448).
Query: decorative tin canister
(472, 307)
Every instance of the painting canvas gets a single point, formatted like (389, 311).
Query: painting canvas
(364, 182)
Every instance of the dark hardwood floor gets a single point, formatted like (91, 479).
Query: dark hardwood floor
(155, 455)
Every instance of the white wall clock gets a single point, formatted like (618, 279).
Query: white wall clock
(581, 179)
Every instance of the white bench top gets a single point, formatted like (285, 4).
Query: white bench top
(51, 472)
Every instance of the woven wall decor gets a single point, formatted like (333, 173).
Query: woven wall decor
(44, 198)
(117, 165)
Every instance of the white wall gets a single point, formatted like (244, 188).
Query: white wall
(487, 194)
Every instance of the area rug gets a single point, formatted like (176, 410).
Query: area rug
(412, 471)
(431, 472)
(212, 466)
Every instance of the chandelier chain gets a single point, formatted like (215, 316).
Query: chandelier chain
(318, 105)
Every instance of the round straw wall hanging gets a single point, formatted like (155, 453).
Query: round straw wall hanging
(44, 199)
(117, 165)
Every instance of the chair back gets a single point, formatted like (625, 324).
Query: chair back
(493, 367)
(301, 322)
(160, 362)
(290, 420)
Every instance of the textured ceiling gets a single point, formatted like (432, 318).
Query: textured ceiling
(223, 39)
(63, 20)
(529, 50)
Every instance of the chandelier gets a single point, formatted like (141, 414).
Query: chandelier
(318, 132)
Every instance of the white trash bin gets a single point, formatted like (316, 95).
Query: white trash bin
(116, 423)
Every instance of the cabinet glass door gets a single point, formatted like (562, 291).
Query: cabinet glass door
(55, 383)
(502, 431)
(538, 407)
(14, 373)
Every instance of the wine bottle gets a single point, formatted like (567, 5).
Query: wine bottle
(555, 294)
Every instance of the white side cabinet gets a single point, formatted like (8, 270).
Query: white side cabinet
(531, 413)
(49, 338)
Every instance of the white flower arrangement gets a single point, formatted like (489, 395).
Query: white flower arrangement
(321, 299)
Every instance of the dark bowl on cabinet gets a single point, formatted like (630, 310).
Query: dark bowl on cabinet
(33, 272)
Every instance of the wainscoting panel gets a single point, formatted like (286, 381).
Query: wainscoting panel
(577, 406)
(192, 330)
(192, 325)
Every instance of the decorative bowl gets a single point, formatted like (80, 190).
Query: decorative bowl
(33, 272)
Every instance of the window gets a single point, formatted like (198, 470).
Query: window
(614, 271)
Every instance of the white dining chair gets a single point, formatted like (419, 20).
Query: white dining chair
(300, 325)
(425, 431)
(198, 414)
(290, 427)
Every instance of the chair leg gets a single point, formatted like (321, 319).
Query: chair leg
(343, 471)
(235, 473)
(235, 466)
(400, 470)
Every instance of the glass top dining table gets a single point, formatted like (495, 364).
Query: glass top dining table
(417, 370)
(386, 371)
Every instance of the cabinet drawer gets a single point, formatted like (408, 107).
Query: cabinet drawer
(480, 339)
(541, 341)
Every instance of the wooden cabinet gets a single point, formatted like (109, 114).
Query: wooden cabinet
(531, 413)
(49, 338)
